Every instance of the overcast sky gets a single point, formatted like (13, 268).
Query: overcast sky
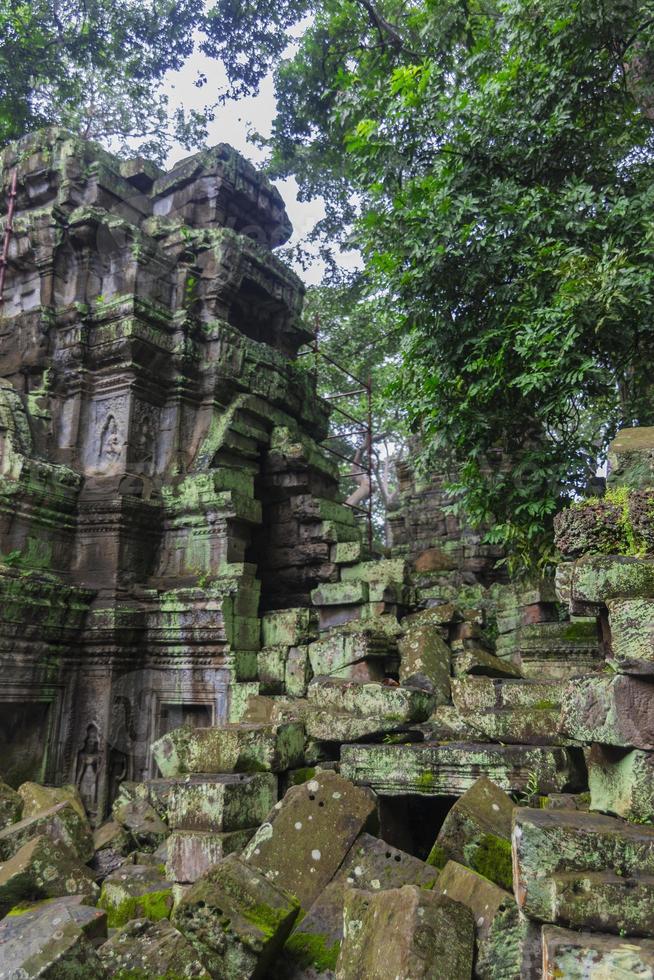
(233, 123)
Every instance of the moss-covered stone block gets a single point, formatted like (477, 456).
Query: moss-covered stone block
(48, 944)
(288, 627)
(37, 798)
(44, 869)
(425, 661)
(594, 955)
(141, 821)
(222, 802)
(62, 824)
(135, 891)
(192, 852)
(11, 805)
(236, 919)
(146, 950)
(305, 838)
(525, 712)
(621, 782)
(547, 843)
(631, 622)
(405, 932)
(631, 457)
(477, 833)
(232, 748)
(611, 709)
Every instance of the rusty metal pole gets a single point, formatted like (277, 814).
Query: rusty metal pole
(9, 227)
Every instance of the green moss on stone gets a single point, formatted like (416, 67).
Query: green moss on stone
(437, 857)
(492, 859)
(154, 906)
(313, 950)
(265, 918)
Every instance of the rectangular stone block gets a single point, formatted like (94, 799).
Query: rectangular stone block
(271, 669)
(433, 769)
(631, 622)
(233, 748)
(338, 651)
(602, 901)
(613, 710)
(288, 627)
(399, 704)
(593, 956)
(370, 864)
(236, 919)
(405, 932)
(50, 944)
(525, 712)
(62, 823)
(340, 594)
(190, 853)
(550, 842)
(621, 782)
(306, 837)
(298, 671)
(596, 578)
(221, 803)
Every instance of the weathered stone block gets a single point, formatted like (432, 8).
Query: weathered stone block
(136, 891)
(236, 919)
(62, 824)
(222, 802)
(593, 956)
(631, 457)
(474, 660)
(477, 833)
(233, 748)
(596, 579)
(631, 623)
(405, 932)
(306, 836)
(621, 782)
(50, 945)
(551, 842)
(508, 944)
(298, 672)
(11, 805)
(371, 864)
(112, 844)
(525, 712)
(271, 669)
(342, 710)
(37, 798)
(425, 661)
(559, 650)
(431, 769)
(602, 901)
(340, 594)
(151, 949)
(339, 651)
(613, 710)
(44, 869)
(192, 852)
(288, 627)
(142, 822)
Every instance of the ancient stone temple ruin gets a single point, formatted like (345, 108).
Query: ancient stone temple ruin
(234, 744)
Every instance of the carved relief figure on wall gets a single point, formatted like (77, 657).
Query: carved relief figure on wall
(110, 447)
(88, 771)
(145, 445)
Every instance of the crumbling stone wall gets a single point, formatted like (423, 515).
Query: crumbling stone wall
(152, 421)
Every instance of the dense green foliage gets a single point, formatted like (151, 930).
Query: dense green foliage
(98, 67)
(501, 155)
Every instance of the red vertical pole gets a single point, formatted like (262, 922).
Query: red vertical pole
(9, 227)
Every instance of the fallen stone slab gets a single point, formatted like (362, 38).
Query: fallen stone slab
(112, 844)
(341, 710)
(559, 650)
(508, 944)
(342, 650)
(405, 932)
(136, 891)
(433, 769)
(476, 661)
(37, 798)
(621, 782)
(306, 836)
(49, 945)
(477, 833)
(371, 864)
(593, 956)
(594, 579)
(232, 748)
(62, 824)
(141, 821)
(631, 622)
(11, 805)
(613, 710)
(522, 712)
(425, 661)
(236, 919)
(151, 949)
(549, 842)
(91, 921)
(43, 868)
(602, 901)
(234, 801)
(192, 852)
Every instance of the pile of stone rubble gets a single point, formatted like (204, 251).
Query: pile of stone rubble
(418, 798)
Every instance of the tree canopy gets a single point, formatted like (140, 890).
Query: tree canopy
(499, 157)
